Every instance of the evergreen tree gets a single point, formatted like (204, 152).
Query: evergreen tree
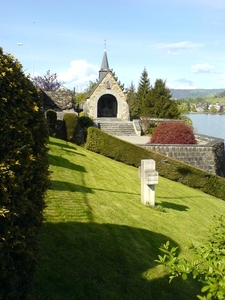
(142, 92)
(159, 103)
(132, 101)
(117, 80)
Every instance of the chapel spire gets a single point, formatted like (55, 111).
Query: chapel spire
(104, 66)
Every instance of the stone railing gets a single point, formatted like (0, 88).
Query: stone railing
(207, 155)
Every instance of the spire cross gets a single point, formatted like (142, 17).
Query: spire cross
(105, 44)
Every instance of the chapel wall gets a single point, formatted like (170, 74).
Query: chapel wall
(108, 86)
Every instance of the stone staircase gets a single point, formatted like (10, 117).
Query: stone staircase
(116, 127)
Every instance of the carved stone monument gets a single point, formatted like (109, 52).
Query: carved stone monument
(149, 178)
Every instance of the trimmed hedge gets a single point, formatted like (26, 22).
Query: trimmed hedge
(85, 123)
(51, 116)
(70, 122)
(130, 154)
(24, 178)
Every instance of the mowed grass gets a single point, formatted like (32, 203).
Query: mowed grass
(100, 242)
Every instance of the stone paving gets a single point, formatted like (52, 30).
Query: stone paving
(141, 140)
(137, 140)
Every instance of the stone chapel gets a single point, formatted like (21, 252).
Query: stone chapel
(107, 100)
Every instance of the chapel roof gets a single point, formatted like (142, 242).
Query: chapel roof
(104, 66)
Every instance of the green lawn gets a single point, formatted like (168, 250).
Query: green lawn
(100, 242)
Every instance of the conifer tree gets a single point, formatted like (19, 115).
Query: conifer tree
(142, 92)
(159, 103)
(117, 80)
(132, 100)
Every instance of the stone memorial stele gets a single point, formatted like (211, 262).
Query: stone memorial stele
(149, 178)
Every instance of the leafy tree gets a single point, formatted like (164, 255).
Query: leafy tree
(208, 267)
(183, 108)
(132, 101)
(206, 107)
(159, 103)
(213, 109)
(189, 105)
(193, 108)
(91, 85)
(187, 120)
(48, 82)
(142, 92)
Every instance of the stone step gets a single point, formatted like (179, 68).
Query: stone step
(118, 128)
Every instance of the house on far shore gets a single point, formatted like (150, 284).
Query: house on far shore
(107, 100)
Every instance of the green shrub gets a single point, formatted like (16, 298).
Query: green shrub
(51, 116)
(148, 126)
(173, 132)
(85, 122)
(187, 120)
(208, 267)
(23, 178)
(100, 142)
(71, 121)
(82, 114)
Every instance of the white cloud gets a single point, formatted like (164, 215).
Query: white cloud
(189, 83)
(203, 68)
(79, 74)
(182, 84)
(177, 48)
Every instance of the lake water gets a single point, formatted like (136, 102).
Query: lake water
(209, 124)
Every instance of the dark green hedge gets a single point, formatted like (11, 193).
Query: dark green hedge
(70, 122)
(23, 178)
(51, 116)
(107, 145)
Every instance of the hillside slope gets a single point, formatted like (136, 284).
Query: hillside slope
(195, 93)
(100, 242)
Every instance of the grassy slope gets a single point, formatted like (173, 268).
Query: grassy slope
(100, 242)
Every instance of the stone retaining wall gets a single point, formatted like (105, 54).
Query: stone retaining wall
(207, 155)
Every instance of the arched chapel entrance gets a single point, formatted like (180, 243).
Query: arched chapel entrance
(107, 106)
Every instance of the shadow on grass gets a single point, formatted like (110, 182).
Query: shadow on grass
(64, 163)
(68, 186)
(62, 145)
(72, 187)
(174, 206)
(103, 261)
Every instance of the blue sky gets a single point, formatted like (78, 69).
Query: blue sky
(182, 42)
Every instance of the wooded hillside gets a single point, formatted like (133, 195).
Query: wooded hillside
(195, 93)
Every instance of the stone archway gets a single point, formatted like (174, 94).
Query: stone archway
(107, 106)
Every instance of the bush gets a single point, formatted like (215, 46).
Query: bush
(187, 120)
(209, 266)
(51, 116)
(148, 126)
(173, 132)
(85, 122)
(71, 121)
(23, 178)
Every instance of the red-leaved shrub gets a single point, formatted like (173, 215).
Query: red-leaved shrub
(173, 132)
